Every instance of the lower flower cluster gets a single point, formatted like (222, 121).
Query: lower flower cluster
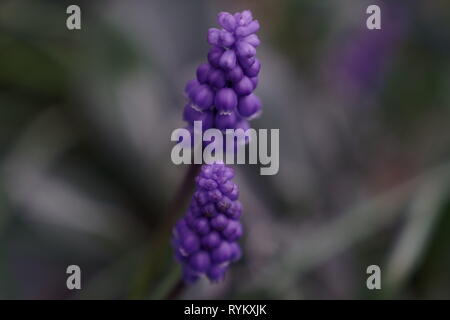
(205, 239)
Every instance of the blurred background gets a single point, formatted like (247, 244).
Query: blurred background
(85, 170)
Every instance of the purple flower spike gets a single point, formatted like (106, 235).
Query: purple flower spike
(231, 71)
(205, 244)
(221, 96)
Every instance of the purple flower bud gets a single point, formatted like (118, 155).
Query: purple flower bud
(211, 240)
(226, 187)
(214, 195)
(227, 21)
(252, 39)
(217, 272)
(245, 17)
(245, 49)
(203, 97)
(236, 251)
(209, 210)
(200, 261)
(243, 124)
(214, 55)
(190, 88)
(246, 62)
(249, 105)
(202, 72)
(224, 121)
(223, 204)
(247, 30)
(216, 78)
(226, 100)
(235, 210)
(255, 81)
(222, 253)
(208, 184)
(233, 230)
(214, 36)
(237, 17)
(201, 226)
(201, 197)
(189, 275)
(228, 60)
(189, 243)
(206, 172)
(191, 113)
(235, 74)
(227, 174)
(219, 222)
(253, 70)
(243, 87)
(226, 38)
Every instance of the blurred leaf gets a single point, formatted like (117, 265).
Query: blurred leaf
(408, 253)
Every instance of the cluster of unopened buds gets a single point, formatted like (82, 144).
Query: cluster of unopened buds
(221, 97)
(205, 239)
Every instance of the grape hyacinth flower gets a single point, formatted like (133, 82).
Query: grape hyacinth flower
(221, 95)
(205, 239)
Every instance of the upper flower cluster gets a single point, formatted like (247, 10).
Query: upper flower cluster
(205, 239)
(222, 95)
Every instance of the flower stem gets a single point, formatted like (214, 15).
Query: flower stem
(184, 191)
(176, 290)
